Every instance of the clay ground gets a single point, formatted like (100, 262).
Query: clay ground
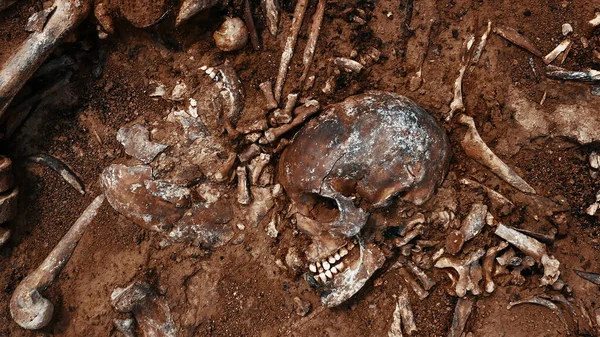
(240, 289)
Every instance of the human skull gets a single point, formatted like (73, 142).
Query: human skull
(359, 154)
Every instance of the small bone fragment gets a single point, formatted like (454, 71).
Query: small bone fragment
(457, 103)
(563, 58)
(558, 73)
(481, 46)
(399, 242)
(271, 14)
(151, 311)
(7, 180)
(488, 266)
(253, 128)
(427, 282)
(545, 303)
(250, 152)
(285, 115)
(594, 278)
(533, 248)
(257, 165)
(34, 50)
(125, 326)
(476, 275)
(251, 27)
(594, 160)
(462, 311)
(416, 287)
(61, 168)
(408, 320)
(311, 43)
(267, 90)
(595, 21)
(556, 51)
(190, 8)
(348, 64)
(471, 226)
(462, 267)
(476, 148)
(28, 307)
(302, 306)
(5, 234)
(302, 112)
(243, 197)
(136, 141)
(290, 44)
(513, 36)
(493, 195)
(566, 29)
(37, 20)
(225, 172)
(271, 227)
(396, 327)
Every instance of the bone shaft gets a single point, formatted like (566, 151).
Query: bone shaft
(313, 36)
(524, 243)
(409, 236)
(243, 191)
(33, 52)
(302, 113)
(427, 282)
(591, 277)
(267, 89)
(271, 15)
(251, 27)
(61, 168)
(481, 46)
(474, 222)
(408, 320)
(513, 36)
(556, 51)
(463, 309)
(290, 104)
(45, 274)
(559, 73)
(416, 287)
(288, 51)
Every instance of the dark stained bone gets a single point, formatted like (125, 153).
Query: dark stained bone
(462, 311)
(32, 53)
(594, 278)
(61, 168)
(27, 306)
(190, 8)
(150, 310)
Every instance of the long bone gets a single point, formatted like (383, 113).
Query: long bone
(462, 311)
(32, 53)
(27, 306)
(471, 226)
(476, 148)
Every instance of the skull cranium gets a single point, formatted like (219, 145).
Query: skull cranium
(360, 153)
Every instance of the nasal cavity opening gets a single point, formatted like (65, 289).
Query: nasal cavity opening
(323, 209)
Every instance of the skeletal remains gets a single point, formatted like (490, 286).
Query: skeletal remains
(356, 157)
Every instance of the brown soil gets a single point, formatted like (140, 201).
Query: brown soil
(241, 289)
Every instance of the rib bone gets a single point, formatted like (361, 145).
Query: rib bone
(545, 303)
(27, 306)
(476, 148)
(32, 53)
(457, 103)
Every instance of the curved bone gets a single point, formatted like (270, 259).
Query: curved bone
(350, 281)
(545, 303)
(32, 53)
(151, 311)
(189, 8)
(476, 148)
(27, 306)
(55, 164)
(591, 277)
(488, 266)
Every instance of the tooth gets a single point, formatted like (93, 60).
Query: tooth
(337, 257)
(326, 265)
(321, 269)
(203, 68)
(312, 268)
(339, 266)
(343, 252)
(323, 278)
(331, 259)
(329, 274)
(350, 245)
(334, 270)
(318, 264)
(209, 71)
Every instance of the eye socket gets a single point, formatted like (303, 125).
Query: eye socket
(322, 209)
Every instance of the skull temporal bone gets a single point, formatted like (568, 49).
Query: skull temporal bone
(373, 146)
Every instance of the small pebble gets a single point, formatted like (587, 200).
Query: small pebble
(302, 306)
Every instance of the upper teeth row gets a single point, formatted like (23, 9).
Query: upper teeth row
(325, 266)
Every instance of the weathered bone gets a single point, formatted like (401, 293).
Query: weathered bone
(257, 165)
(267, 90)
(533, 248)
(37, 20)
(545, 303)
(32, 53)
(136, 141)
(556, 51)
(125, 326)
(311, 43)
(471, 226)
(494, 196)
(476, 275)
(408, 320)
(290, 44)
(225, 172)
(481, 46)
(476, 148)
(462, 267)
(61, 168)
(558, 73)
(284, 116)
(594, 278)
(27, 305)
(513, 36)
(416, 287)
(303, 112)
(243, 197)
(251, 27)
(271, 14)
(595, 21)
(488, 265)
(151, 311)
(399, 242)
(427, 282)
(250, 152)
(348, 64)
(457, 103)
(396, 327)
(462, 311)
(525, 264)
(189, 8)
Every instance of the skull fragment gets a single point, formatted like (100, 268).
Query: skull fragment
(358, 155)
